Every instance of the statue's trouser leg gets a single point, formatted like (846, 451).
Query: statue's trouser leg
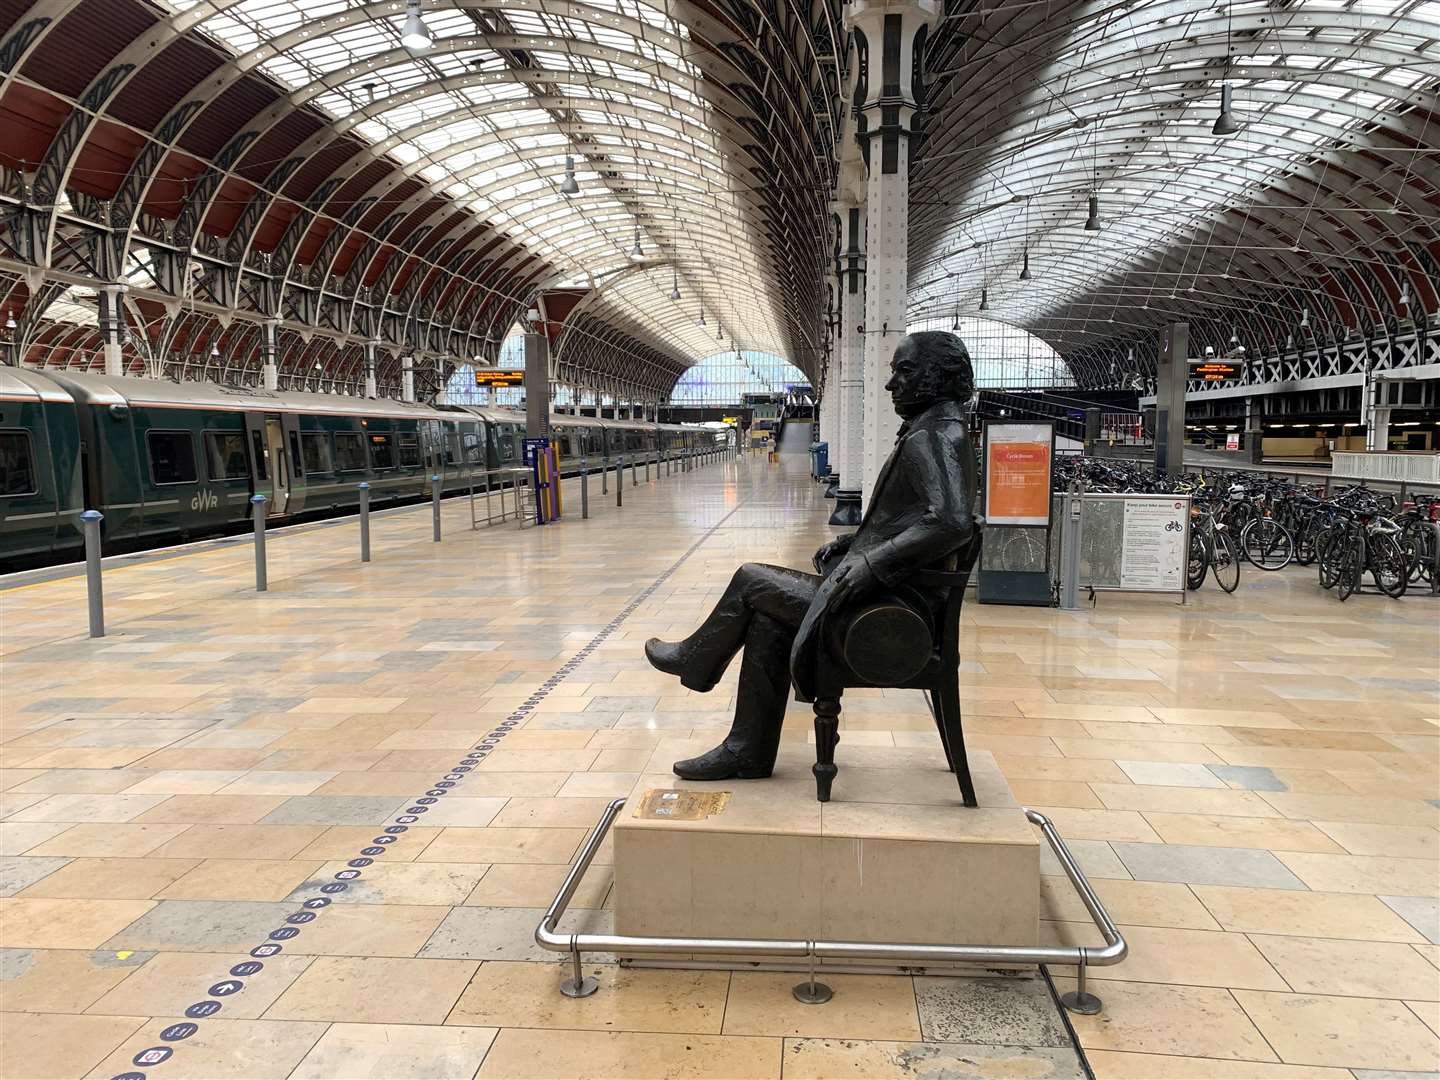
(763, 693)
(776, 591)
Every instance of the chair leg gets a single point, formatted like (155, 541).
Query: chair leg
(955, 738)
(827, 734)
(938, 714)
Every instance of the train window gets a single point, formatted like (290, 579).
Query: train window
(172, 457)
(409, 450)
(382, 450)
(452, 446)
(349, 452)
(505, 434)
(225, 455)
(297, 462)
(317, 454)
(17, 464)
(474, 449)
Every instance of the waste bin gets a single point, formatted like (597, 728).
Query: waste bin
(820, 460)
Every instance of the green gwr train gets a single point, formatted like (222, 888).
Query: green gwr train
(164, 460)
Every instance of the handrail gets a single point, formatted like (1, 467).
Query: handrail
(1080, 956)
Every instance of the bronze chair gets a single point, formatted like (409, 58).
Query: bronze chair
(894, 643)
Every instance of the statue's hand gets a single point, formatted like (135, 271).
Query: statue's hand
(835, 549)
(851, 579)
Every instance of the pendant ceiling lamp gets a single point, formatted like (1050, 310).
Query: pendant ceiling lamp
(1025, 265)
(1092, 221)
(416, 35)
(1225, 123)
(984, 299)
(569, 186)
(637, 252)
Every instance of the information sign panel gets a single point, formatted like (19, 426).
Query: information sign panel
(1153, 553)
(492, 378)
(1017, 473)
(1232, 441)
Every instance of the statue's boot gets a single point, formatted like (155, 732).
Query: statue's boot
(749, 750)
(686, 660)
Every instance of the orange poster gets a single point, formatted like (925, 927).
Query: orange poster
(1017, 474)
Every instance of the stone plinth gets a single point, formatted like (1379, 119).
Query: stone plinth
(894, 857)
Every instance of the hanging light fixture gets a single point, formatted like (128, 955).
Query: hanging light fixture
(1225, 123)
(674, 284)
(569, 186)
(719, 333)
(984, 299)
(9, 320)
(1305, 319)
(955, 326)
(702, 316)
(1092, 222)
(1025, 265)
(215, 351)
(1405, 294)
(637, 252)
(416, 35)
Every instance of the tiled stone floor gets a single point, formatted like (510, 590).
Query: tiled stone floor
(1251, 781)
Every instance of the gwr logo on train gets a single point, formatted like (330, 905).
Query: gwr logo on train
(204, 499)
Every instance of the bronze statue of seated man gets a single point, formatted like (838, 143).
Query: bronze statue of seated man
(917, 517)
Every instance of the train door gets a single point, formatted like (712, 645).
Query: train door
(269, 461)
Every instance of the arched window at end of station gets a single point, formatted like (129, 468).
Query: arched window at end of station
(725, 378)
(1005, 357)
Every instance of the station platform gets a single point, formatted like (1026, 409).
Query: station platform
(1251, 781)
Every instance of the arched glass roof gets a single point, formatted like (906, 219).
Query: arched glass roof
(512, 99)
(1119, 101)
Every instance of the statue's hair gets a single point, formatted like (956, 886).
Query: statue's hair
(954, 376)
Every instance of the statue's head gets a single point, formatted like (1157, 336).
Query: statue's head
(929, 366)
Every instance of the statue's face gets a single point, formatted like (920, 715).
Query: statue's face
(913, 385)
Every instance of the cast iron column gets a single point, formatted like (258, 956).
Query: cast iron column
(269, 370)
(112, 327)
(850, 454)
(893, 37)
(537, 384)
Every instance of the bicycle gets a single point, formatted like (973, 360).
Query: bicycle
(1212, 548)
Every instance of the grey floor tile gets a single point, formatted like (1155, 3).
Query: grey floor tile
(202, 925)
(1421, 912)
(1250, 777)
(1196, 865)
(1014, 1011)
(492, 933)
(21, 871)
(334, 810)
(1096, 858)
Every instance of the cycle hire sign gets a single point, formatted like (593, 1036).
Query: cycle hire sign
(1017, 474)
(1154, 545)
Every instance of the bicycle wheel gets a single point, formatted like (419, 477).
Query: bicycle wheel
(1347, 578)
(1226, 562)
(1267, 544)
(1305, 544)
(1195, 569)
(1328, 549)
(1388, 566)
(1023, 551)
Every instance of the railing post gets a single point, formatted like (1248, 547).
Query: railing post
(584, 488)
(364, 522)
(620, 481)
(435, 507)
(90, 523)
(634, 480)
(257, 511)
(604, 479)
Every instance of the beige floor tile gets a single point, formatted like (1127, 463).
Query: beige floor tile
(61, 980)
(1397, 841)
(223, 1050)
(345, 842)
(378, 782)
(602, 1055)
(371, 930)
(1350, 968)
(534, 885)
(571, 813)
(1135, 714)
(853, 1059)
(422, 883)
(1365, 873)
(348, 705)
(1304, 914)
(115, 841)
(1164, 955)
(504, 845)
(1081, 770)
(1081, 824)
(41, 1047)
(1221, 830)
(374, 990)
(1364, 1033)
(1117, 1065)
(241, 879)
(524, 995)
(870, 1007)
(395, 1052)
(507, 760)
(239, 841)
(1184, 1021)
(212, 809)
(1135, 903)
(263, 782)
(1182, 800)
(1362, 809)
(170, 982)
(1428, 1011)
(111, 879)
(1138, 750)
(65, 924)
(184, 782)
(1054, 793)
